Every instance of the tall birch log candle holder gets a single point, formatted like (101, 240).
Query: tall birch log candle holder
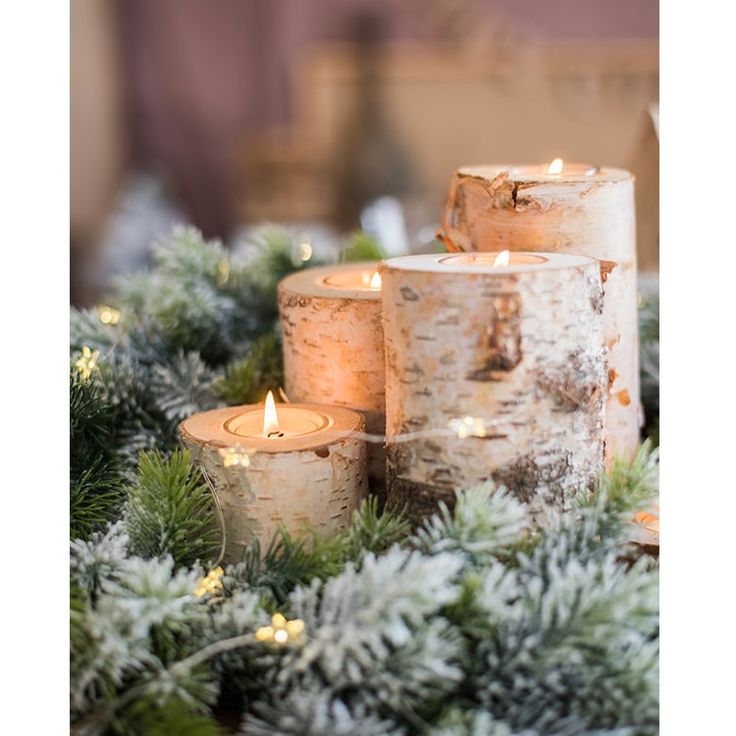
(517, 350)
(564, 208)
(333, 345)
(302, 466)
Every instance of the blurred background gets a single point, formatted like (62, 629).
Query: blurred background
(327, 116)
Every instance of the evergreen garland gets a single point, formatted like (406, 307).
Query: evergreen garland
(479, 622)
(534, 631)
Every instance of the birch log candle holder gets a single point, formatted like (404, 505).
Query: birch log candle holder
(333, 345)
(303, 466)
(564, 208)
(517, 351)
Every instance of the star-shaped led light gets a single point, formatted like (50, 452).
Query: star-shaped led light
(468, 427)
(281, 631)
(210, 583)
(87, 362)
(235, 456)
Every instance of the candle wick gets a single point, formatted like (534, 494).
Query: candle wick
(275, 434)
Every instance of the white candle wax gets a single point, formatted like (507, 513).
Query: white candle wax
(362, 279)
(292, 422)
(491, 259)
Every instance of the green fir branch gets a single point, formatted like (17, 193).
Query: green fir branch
(96, 498)
(155, 717)
(96, 483)
(171, 511)
(371, 530)
(247, 381)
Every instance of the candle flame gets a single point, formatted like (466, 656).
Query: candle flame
(270, 417)
(556, 166)
(375, 282)
(502, 259)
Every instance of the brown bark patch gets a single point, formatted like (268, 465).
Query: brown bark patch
(524, 476)
(417, 501)
(293, 300)
(575, 385)
(606, 268)
(500, 347)
(322, 451)
(447, 241)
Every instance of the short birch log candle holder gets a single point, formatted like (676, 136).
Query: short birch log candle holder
(305, 469)
(515, 349)
(564, 208)
(333, 345)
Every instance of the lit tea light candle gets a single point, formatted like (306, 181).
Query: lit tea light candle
(267, 423)
(333, 344)
(298, 465)
(563, 207)
(518, 344)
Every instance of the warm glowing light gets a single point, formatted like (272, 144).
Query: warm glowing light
(468, 427)
(87, 362)
(211, 583)
(281, 631)
(235, 456)
(264, 633)
(305, 251)
(556, 166)
(223, 271)
(375, 282)
(502, 259)
(271, 418)
(109, 315)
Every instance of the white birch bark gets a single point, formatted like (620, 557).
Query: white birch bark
(333, 350)
(491, 208)
(313, 482)
(521, 349)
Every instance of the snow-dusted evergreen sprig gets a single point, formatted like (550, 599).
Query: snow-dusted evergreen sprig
(99, 559)
(569, 643)
(548, 634)
(131, 623)
(377, 629)
(184, 386)
(485, 521)
(316, 714)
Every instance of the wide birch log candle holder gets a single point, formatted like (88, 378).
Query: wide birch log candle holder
(564, 208)
(333, 345)
(516, 350)
(304, 470)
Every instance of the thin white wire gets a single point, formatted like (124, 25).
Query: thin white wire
(220, 514)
